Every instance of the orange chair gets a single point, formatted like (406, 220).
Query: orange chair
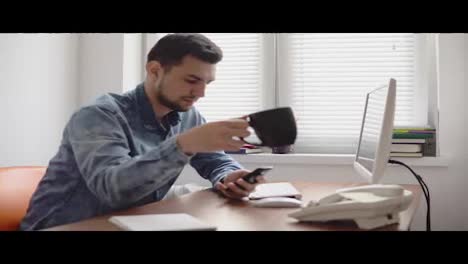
(17, 184)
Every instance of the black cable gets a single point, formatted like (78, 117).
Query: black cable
(425, 191)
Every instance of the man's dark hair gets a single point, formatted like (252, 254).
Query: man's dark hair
(172, 48)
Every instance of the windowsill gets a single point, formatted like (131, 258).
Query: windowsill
(324, 159)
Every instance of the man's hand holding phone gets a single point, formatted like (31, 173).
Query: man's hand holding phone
(241, 183)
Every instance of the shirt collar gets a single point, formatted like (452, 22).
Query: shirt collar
(173, 118)
(146, 110)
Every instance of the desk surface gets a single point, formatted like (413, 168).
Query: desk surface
(232, 215)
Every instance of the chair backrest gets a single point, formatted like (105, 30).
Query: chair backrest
(17, 184)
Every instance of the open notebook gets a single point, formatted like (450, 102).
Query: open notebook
(277, 189)
(160, 222)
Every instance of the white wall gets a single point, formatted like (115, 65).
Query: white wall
(466, 96)
(44, 78)
(109, 63)
(38, 92)
(465, 142)
(447, 184)
(100, 65)
(132, 61)
(452, 136)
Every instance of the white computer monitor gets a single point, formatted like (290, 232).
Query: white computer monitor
(375, 139)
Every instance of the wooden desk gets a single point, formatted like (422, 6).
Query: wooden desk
(231, 215)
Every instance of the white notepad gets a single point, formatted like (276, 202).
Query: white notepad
(276, 189)
(160, 222)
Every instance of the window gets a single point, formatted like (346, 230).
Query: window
(238, 88)
(323, 77)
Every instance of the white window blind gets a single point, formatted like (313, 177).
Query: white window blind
(324, 78)
(237, 89)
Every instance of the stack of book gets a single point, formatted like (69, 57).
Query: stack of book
(413, 142)
(247, 149)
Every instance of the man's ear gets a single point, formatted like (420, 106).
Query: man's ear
(153, 69)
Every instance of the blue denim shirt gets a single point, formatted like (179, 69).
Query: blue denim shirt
(114, 155)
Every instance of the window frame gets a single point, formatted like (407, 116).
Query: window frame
(274, 88)
(424, 61)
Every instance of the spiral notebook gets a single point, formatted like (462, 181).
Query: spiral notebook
(160, 222)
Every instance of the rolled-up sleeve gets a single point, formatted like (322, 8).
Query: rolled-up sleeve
(214, 166)
(103, 157)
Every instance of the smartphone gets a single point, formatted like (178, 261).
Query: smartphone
(252, 176)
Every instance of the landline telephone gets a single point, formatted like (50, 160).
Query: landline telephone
(370, 206)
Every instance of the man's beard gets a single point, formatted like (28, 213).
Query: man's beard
(168, 103)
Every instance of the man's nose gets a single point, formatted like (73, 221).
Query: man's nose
(199, 91)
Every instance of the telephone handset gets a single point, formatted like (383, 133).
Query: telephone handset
(370, 206)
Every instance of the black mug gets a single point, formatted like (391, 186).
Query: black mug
(274, 127)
